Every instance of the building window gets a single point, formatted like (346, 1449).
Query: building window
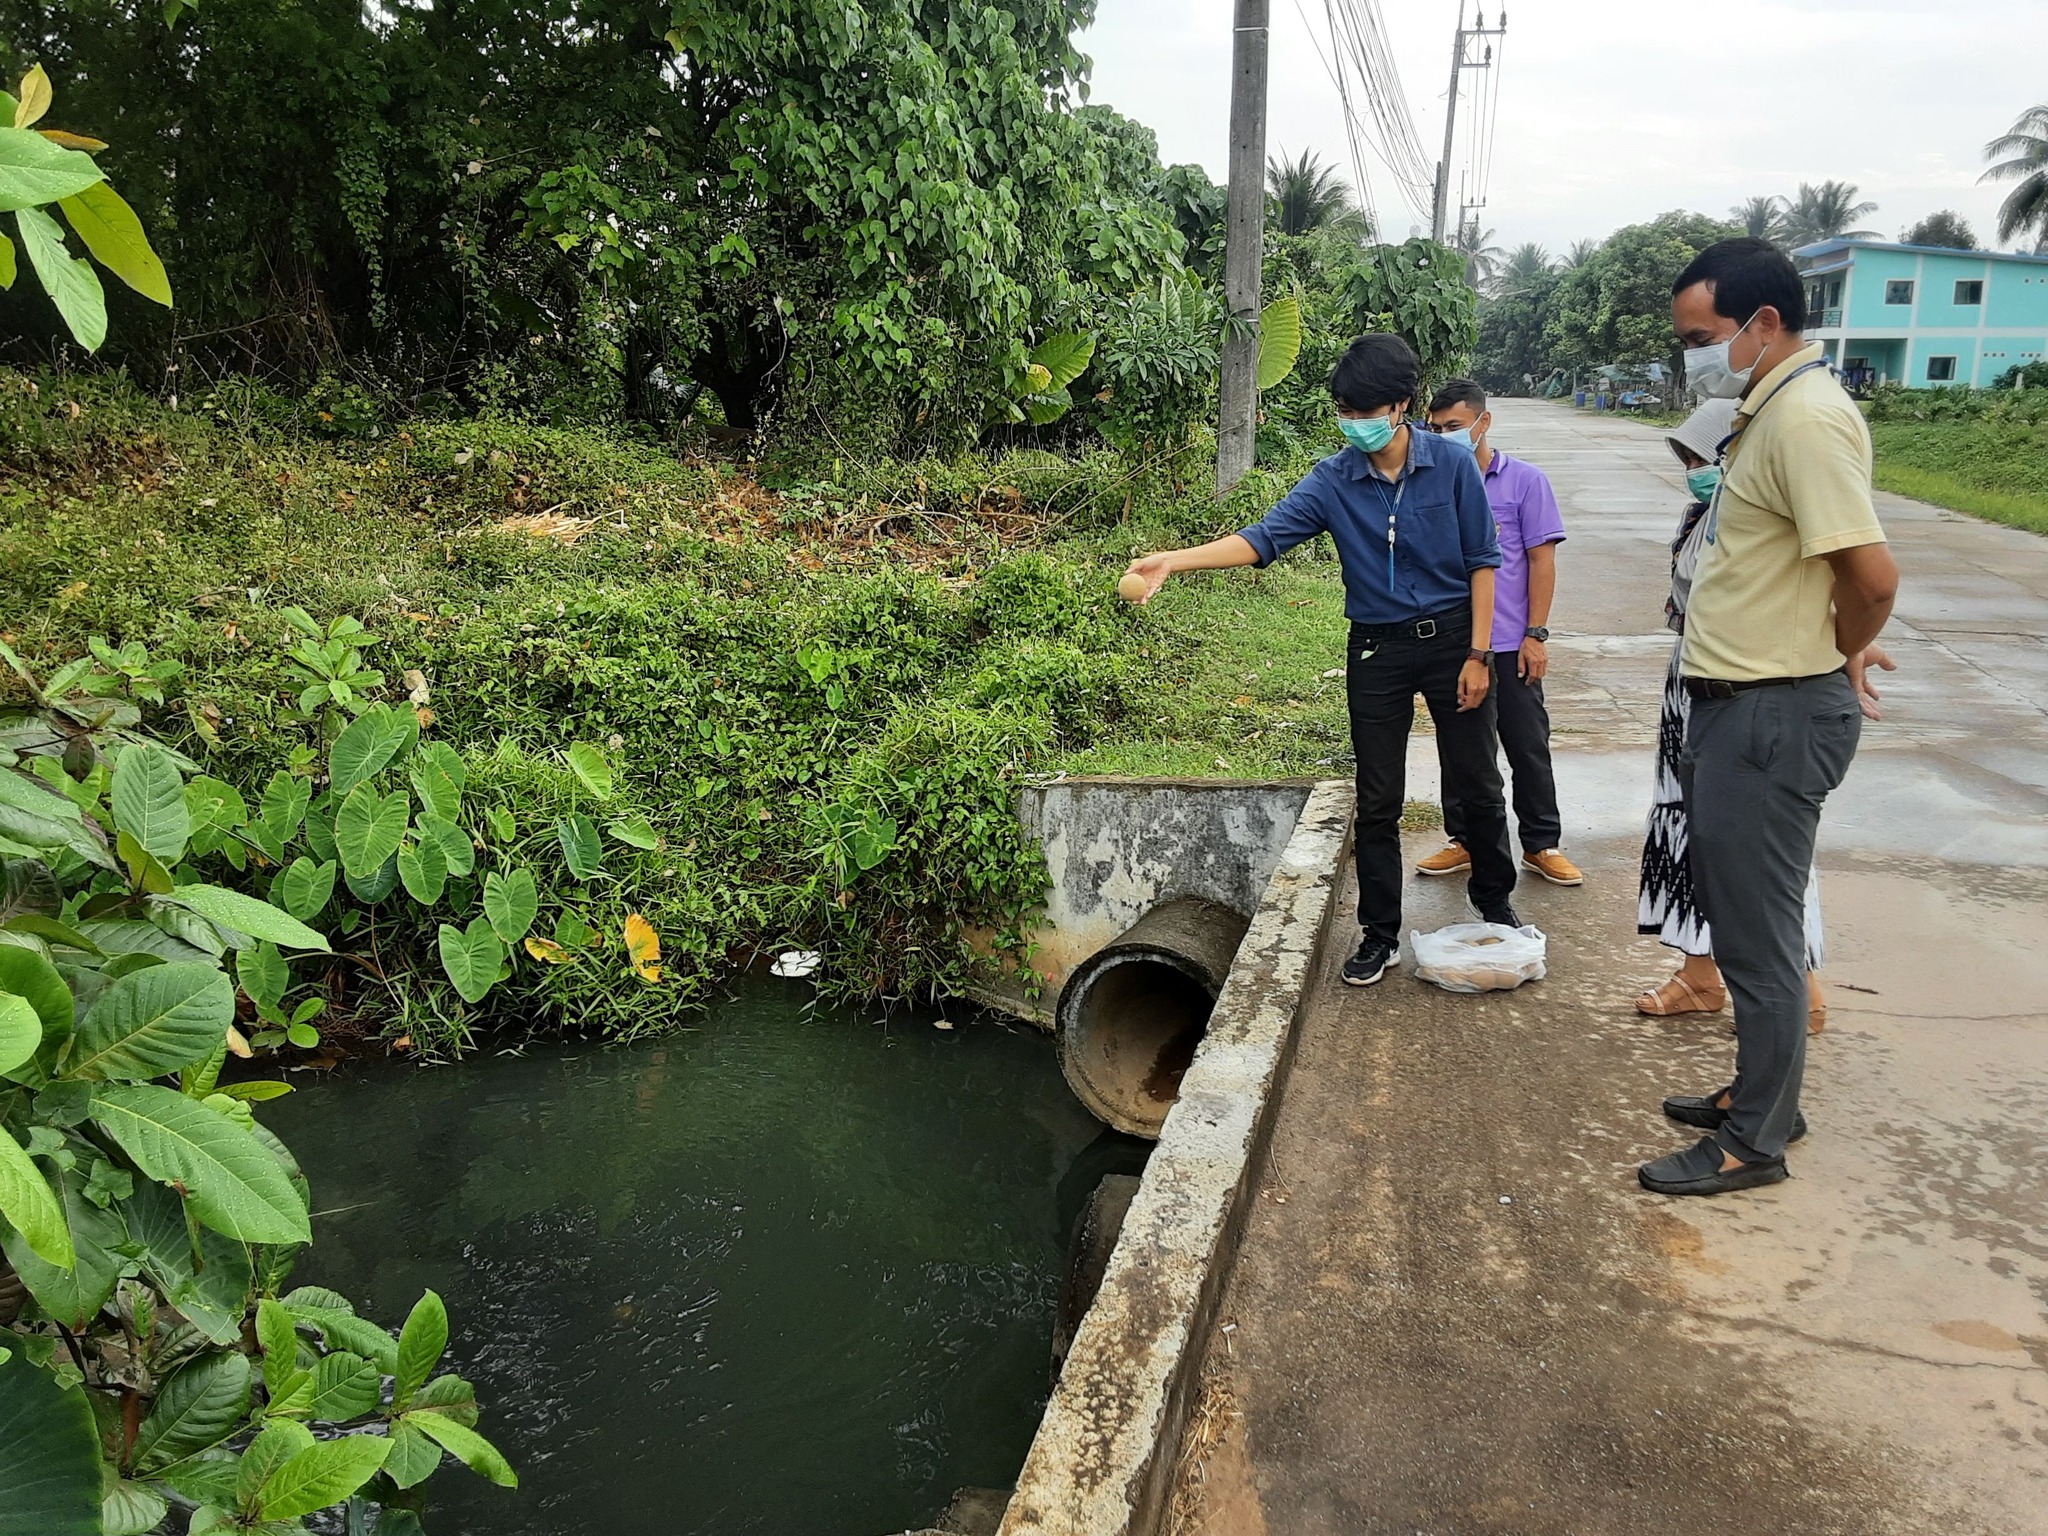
(1970, 291)
(1899, 291)
(1941, 370)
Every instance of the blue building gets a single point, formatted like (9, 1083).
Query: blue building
(1922, 315)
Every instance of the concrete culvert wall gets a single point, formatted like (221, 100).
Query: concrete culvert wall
(1132, 1014)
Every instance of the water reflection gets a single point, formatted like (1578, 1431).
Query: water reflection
(791, 1273)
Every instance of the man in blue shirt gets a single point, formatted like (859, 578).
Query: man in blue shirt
(1415, 538)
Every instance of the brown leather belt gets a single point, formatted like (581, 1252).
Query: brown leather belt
(1719, 688)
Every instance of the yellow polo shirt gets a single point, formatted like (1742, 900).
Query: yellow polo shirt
(1795, 485)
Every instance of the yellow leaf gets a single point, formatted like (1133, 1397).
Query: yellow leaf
(6, 262)
(237, 1044)
(35, 95)
(82, 141)
(643, 944)
(113, 234)
(548, 951)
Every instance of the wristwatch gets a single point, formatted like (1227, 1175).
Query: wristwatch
(1536, 632)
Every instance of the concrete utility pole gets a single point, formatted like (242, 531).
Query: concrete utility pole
(1237, 431)
(1459, 64)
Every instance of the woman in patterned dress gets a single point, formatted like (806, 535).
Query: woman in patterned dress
(1667, 905)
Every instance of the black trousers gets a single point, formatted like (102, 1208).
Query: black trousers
(1383, 673)
(1524, 726)
(1756, 770)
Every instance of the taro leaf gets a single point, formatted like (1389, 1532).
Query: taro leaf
(374, 887)
(581, 850)
(265, 976)
(284, 803)
(423, 871)
(1064, 357)
(511, 903)
(421, 1344)
(345, 1387)
(233, 1182)
(21, 1031)
(210, 1286)
(413, 1456)
(468, 1447)
(588, 764)
(320, 828)
(634, 832)
(1279, 340)
(154, 1021)
(471, 957)
(26, 1201)
(368, 829)
(322, 1474)
(50, 1477)
(281, 1440)
(131, 1509)
(33, 171)
(438, 777)
(367, 747)
(201, 1405)
(643, 947)
(454, 843)
(304, 887)
(113, 234)
(72, 1295)
(149, 803)
(245, 914)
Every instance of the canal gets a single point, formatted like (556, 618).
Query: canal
(792, 1272)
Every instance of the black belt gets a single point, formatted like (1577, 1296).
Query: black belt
(1428, 627)
(1719, 688)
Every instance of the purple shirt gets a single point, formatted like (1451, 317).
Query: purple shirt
(1525, 512)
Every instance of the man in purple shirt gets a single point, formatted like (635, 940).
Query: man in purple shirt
(1531, 528)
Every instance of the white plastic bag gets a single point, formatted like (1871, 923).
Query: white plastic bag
(1478, 957)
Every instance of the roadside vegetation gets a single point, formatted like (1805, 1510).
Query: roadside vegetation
(1984, 452)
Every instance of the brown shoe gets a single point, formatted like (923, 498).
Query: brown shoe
(1554, 867)
(1449, 860)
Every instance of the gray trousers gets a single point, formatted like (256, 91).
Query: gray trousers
(1755, 771)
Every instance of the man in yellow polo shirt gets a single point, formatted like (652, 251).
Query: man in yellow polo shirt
(1794, 582)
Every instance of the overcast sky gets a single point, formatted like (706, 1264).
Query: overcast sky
(1611, 113)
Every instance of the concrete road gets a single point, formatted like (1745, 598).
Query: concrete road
(1456, 1312)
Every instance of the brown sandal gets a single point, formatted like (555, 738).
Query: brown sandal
(1678, 996)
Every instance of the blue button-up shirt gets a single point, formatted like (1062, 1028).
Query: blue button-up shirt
(1440, 521)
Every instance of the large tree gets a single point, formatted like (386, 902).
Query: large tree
(1616, 307)
(1944, 228)
(1762, 218)
(2024, 213)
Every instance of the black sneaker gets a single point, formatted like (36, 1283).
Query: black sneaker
(1374, 955)
(1501, 912)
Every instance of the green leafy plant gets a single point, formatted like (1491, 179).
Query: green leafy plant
(1049, 368)
(42, 168)
(149, 1221)
(328, 661)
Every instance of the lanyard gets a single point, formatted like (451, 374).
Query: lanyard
(1721, 448)
(1393, 504)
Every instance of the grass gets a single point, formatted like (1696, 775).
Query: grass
(1996, 470)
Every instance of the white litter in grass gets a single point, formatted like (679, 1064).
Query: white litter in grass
(796, 962)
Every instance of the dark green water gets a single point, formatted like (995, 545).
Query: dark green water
(792, 1273)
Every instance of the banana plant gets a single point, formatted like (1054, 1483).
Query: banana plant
(42, 168)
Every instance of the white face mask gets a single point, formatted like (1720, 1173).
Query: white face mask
(1708, 372)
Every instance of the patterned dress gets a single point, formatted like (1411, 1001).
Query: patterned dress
(1666, 904)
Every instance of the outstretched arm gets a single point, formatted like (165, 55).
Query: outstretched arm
(1217, 555)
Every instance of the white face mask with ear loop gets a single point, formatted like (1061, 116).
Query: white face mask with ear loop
(1708, 370)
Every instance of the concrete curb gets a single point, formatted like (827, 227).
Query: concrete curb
(1102, 1461)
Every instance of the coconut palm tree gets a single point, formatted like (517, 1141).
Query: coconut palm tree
(1525, 265)
(1761, 217)
(1580, 252)
(1304, 194)
(2025, 209)
(1825, 212)
(1483, 258)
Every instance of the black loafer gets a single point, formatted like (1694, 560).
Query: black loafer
(1697, 1171)
(1706, 1113)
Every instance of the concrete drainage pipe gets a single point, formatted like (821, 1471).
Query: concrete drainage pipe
(1131, 1014)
